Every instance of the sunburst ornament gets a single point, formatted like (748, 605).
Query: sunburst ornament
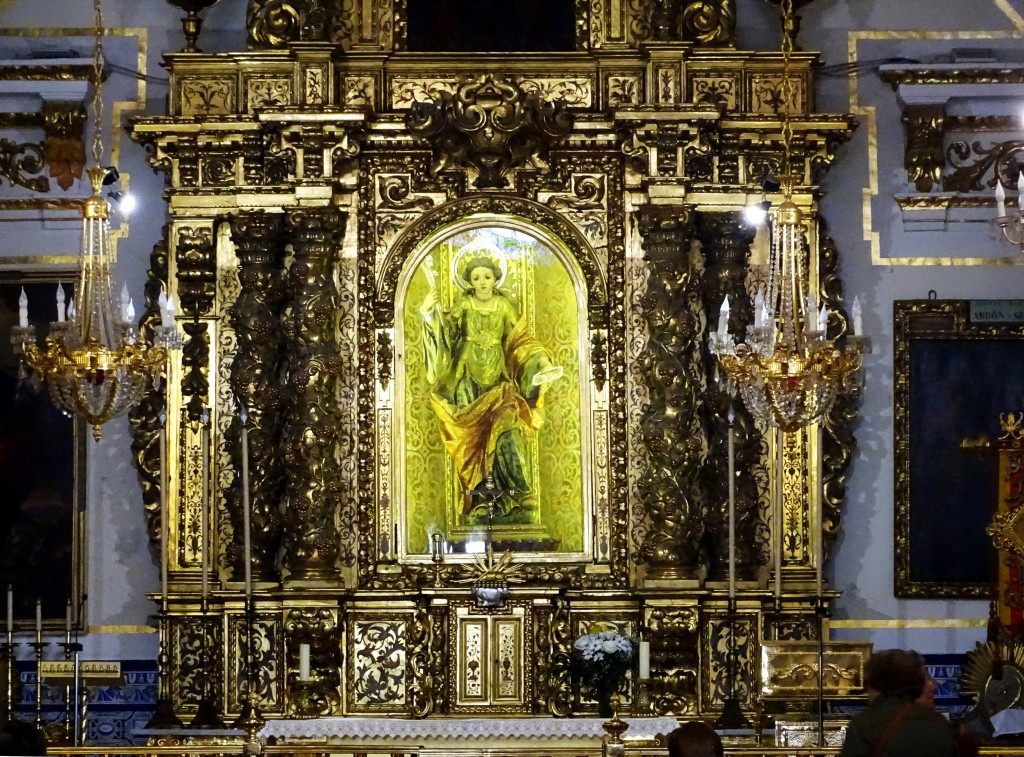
(490, 584)
(977, 680)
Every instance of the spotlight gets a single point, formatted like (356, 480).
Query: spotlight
(125, 202)
(770, 184)
(110, 175)
(757, 213)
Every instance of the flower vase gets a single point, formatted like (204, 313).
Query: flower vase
(603, 696)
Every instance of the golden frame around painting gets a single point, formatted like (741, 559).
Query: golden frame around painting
(951, 361)
(585, 272)
(54, 565)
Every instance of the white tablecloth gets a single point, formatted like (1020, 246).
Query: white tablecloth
(399, 729)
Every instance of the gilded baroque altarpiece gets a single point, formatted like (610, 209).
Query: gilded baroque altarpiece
(469, 294)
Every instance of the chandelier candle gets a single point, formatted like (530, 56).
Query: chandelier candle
(10, 609)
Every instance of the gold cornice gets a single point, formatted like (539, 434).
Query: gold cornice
(121, 629)
(911, 623)
(79, 71)
(981, 74)
(868, 116)
(43, 203)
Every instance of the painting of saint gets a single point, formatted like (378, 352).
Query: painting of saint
(492, 431)
(488, 375)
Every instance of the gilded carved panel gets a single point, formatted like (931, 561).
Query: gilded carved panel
(377, 664)
(213, 96)
(267, 92)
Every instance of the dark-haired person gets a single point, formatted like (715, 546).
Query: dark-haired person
(21, 738)
(694, 739)
(900, 720)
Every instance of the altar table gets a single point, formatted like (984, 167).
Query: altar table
(463, 731)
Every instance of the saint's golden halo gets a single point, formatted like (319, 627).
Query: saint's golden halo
(478, 247)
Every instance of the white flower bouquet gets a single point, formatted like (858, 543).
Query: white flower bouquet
(600, 663)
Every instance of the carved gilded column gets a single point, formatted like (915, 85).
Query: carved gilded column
(312, 431)
(725, 242)
(671, 425)
(259, 244)
(196, 262)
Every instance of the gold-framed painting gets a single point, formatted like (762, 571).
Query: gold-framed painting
(42, 466)
(958, 366)
(491, 439)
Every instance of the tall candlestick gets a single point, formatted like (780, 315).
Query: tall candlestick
(10, 608)
(777, 538)
(246, 526)
(165, 528)
(204, 433)
(732, 506)
(303, 662)
(819, 551)
(645, 660)
(39, 616)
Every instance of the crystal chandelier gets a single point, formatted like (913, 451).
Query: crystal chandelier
(787, 371)
(92, 361)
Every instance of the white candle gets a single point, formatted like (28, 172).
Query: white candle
(819, 552)
(125, 299)
(67, 618)
(810, 313)
(732, 507)
(777, 538)
(645, 660)
(759, 309)
(1020, 187)
(823, 319)
(39, 616)
(169, 312)
(131, 310)
(723, 318)
(165, 528)
(204, 433)
(1000, 199)
(60, 303)
(10, 608)
(246, 526)
(858, 317)
(23, 309)
(303, 662)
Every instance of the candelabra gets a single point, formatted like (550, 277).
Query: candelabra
(72, 650)
(732, 716)
(437, 556)
(164, 715)
(38, 647)
(250, 719)
(1011, 226)
(8, 657)
(206, 713)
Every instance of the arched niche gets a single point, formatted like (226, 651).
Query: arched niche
(552, 287)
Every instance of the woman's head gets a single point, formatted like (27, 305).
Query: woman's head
(895, 673)
(482, 274)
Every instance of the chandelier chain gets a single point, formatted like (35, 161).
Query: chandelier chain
(97, 76)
